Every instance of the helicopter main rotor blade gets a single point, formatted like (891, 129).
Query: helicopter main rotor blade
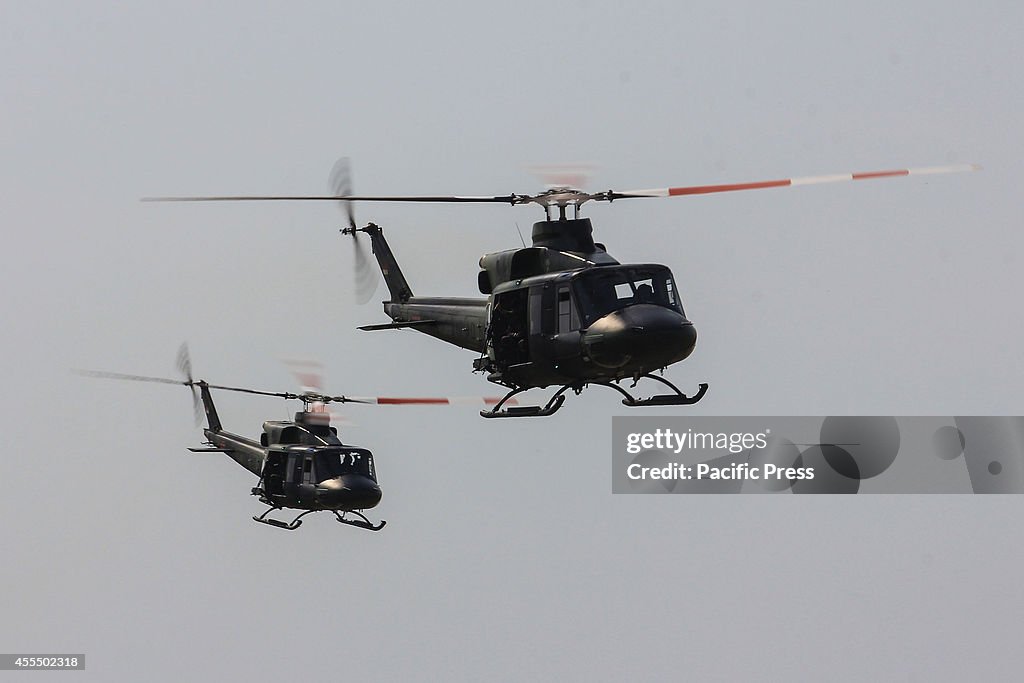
(244, 390)
(133, 378)
(308, 373)
(567, 196)
(185, 383)
(504, 199)
(429, 400)
(786, 182)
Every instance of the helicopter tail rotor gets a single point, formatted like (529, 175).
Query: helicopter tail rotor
(367, 279)
(185, 367)
(366, 273)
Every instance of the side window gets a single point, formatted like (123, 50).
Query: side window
(547, 310)
(563, 308)
(565, 322)
(294, 469)
(535, 310)
(307, 470)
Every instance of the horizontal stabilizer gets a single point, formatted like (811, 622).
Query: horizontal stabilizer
(210, 450)
(397, 326)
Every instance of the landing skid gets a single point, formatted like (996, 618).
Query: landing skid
(528, 411)
(675, 399)
(361, 523)
(290, 526)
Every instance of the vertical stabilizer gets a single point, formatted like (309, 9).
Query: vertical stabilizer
(211, 411)
(393, 277)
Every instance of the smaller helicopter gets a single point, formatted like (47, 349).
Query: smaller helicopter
(301, 464)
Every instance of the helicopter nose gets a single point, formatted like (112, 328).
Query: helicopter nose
(349, 492)
(643, 335)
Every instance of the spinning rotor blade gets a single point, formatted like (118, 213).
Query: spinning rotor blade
(308, 373)
(341, 420)
(340, 183)
(185, 362)
(185, 383)
(314, 397)
(367, 278)
(786, 182)
(310, 396)
(133, 378)
(563, 175)
(366, 274)
(243, 390)
(185, 365)
(197, 409)
(505, 199)
(567, 196)
(431, 400)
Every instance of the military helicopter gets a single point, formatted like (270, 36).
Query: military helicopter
(561, 312)
(301, 464)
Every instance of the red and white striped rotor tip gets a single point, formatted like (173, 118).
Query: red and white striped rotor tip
(804, 180)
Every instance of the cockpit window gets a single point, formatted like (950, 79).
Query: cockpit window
(334, 463)
(601, 291)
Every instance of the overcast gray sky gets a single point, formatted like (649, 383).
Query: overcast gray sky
(506, 556)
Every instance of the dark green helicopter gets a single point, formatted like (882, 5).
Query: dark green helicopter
(561, 312)
(301, 464)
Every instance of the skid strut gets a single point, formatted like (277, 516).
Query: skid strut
(677, 398)
(361, 523)
(290, 526)
(549, 408)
